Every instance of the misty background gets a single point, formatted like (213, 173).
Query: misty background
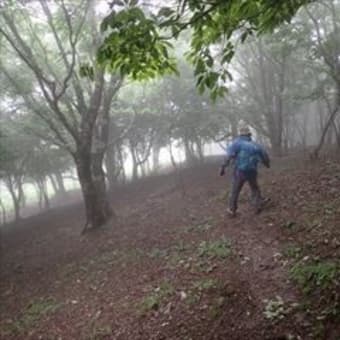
(285, 86)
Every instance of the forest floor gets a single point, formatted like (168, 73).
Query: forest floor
(173, 266)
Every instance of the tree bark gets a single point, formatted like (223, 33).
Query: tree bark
(16, 203)
(134, 164)
(43, 191)
(60, 183)
(3, 213)
(155, 157)
(316, 151)
(330, 121)
(110, 165)
(189, 152)
(54, 184)
(73, 131)
(92, 182)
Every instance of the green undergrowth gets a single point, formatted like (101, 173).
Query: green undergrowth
(215, 249)
(312, 275)
(313, 253)
(156, 298)
(206, 293)
(319, 281)
(203, 256)
(203, 226)
(31, 316)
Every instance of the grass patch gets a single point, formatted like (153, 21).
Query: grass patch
(311, 276)
(31, 316)
(205, 284)
(154, 300)
(215, 249)
(216, 307)
(99, 332)
(157, 253)
(292, 251)
(201, 227)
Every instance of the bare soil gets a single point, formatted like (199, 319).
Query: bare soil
(173, 266)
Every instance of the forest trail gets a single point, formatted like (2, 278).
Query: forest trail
(172, 266)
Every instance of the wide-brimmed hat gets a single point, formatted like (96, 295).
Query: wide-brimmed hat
(245, 131)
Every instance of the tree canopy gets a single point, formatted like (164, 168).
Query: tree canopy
(137, 39)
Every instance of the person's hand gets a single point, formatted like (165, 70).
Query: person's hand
(222, 171)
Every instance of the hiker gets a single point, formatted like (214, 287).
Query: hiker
(245, 155)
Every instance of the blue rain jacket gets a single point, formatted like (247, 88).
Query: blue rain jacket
(246, 154)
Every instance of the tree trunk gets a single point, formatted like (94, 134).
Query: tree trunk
(177, 171)
(316, 151)
(110, 165)
(134, 164)
(189, 152)
(3, 213)
(122, 173)
(60, 181)
(331, 118)
(200, 148)
(54, 184)
(21, 194)
(92, 182)
(43, 193)
(144, 169)
(15, 198)
(337, 134)
(16, 206)
(155, 157)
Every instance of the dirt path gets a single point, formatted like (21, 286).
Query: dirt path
(171, 267)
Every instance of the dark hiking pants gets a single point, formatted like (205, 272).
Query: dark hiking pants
(238, 180)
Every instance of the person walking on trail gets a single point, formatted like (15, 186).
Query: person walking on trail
(245, 155)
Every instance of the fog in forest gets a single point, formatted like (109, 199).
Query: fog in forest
(285, 87)
(169, 169)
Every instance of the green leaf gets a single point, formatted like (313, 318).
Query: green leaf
(86, 71)
(244, 36)
(228, 56)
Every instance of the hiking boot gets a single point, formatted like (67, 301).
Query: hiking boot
(231, 213)
(265, 200)
(263, 204)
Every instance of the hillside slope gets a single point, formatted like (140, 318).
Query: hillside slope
(172, 266)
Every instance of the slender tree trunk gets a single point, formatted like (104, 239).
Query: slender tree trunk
(16, 205)
(3, 213)
(60, 182)
(177, 171)
(44, 194)
(189, 152)
(134, 164)
(21, 193)
(200, 148)
(331, 118)
(337, 134)
(122, 172)
(110, 165)
(155, 157)
(40, 199)
(143, 169)
(315, 153)
(54, 184)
